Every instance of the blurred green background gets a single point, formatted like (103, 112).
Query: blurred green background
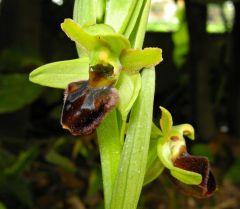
(42, 166)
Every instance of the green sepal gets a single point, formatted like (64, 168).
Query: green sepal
(133, 60)
(165, 155)
(95, 36)
(128, 88)
(60, 74)
(155, 132)
(153, 171)
(76, 33)
(166, 121)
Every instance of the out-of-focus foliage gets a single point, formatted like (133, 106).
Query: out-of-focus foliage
(181, 40)
(16, 92)
(2, 206)
(12, 182)
(233, 172)
(15, 57)
(213, 1)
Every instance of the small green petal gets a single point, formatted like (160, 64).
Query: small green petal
(133, 60)
(105, 34)
(128, 88)
(60, 74)
(186, 130)
(166, 121)
(153, 171)
(154, 165)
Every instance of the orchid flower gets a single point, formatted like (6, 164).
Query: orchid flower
(190, 173)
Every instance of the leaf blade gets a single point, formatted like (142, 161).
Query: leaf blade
(60, 74)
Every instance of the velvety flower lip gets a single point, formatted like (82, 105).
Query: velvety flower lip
(199, 165)
(191, 174)
(85, 107)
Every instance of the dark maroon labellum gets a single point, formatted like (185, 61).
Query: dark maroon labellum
(85, 107)
(199, 165)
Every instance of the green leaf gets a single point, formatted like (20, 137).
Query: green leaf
(110, 151)
(132, 167)
(18, 188)
(101, 7)
(84, 12)
(133, 19)
(60, 74)
(166, 121)
(118, 13)
(133, 60)
(137, 35)
(128, 88)
(16, 92)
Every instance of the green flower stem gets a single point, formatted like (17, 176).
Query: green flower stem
(133, 162)
(110, 149)
(132, 167)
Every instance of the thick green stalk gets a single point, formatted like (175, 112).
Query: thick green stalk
(110, 149)
(132, 166)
